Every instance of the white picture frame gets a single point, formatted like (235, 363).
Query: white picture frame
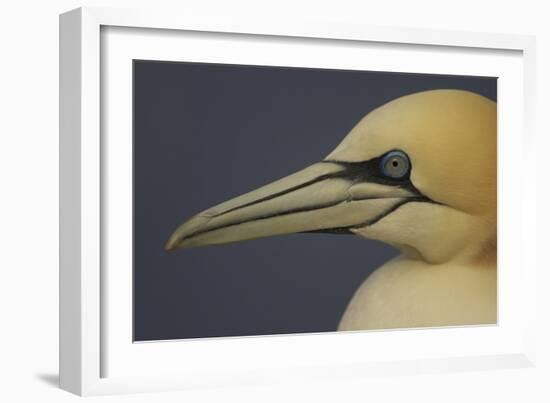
(97, 355)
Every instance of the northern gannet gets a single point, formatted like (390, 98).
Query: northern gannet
(418, 173)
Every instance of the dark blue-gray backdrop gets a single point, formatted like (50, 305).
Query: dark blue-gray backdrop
(204, 133)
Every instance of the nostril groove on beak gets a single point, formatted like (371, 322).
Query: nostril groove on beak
(210, 213)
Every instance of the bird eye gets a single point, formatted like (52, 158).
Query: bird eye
(395, 164)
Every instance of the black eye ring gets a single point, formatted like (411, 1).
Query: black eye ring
(395, 164)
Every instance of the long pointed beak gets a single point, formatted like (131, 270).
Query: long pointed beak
(324, 197)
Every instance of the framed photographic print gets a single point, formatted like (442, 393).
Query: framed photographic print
(244, 202)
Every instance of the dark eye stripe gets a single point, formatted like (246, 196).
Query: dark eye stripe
(371, 171)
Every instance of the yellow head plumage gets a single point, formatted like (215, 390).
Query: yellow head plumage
(450, 138)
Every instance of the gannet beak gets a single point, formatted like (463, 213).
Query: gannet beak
(324, 197)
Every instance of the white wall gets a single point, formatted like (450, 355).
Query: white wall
(28, 198)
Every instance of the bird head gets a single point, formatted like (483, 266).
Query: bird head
(418, 173)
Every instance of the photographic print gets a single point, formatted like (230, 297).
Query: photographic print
(276, 200)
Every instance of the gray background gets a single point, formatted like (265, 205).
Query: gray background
(204, 133)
